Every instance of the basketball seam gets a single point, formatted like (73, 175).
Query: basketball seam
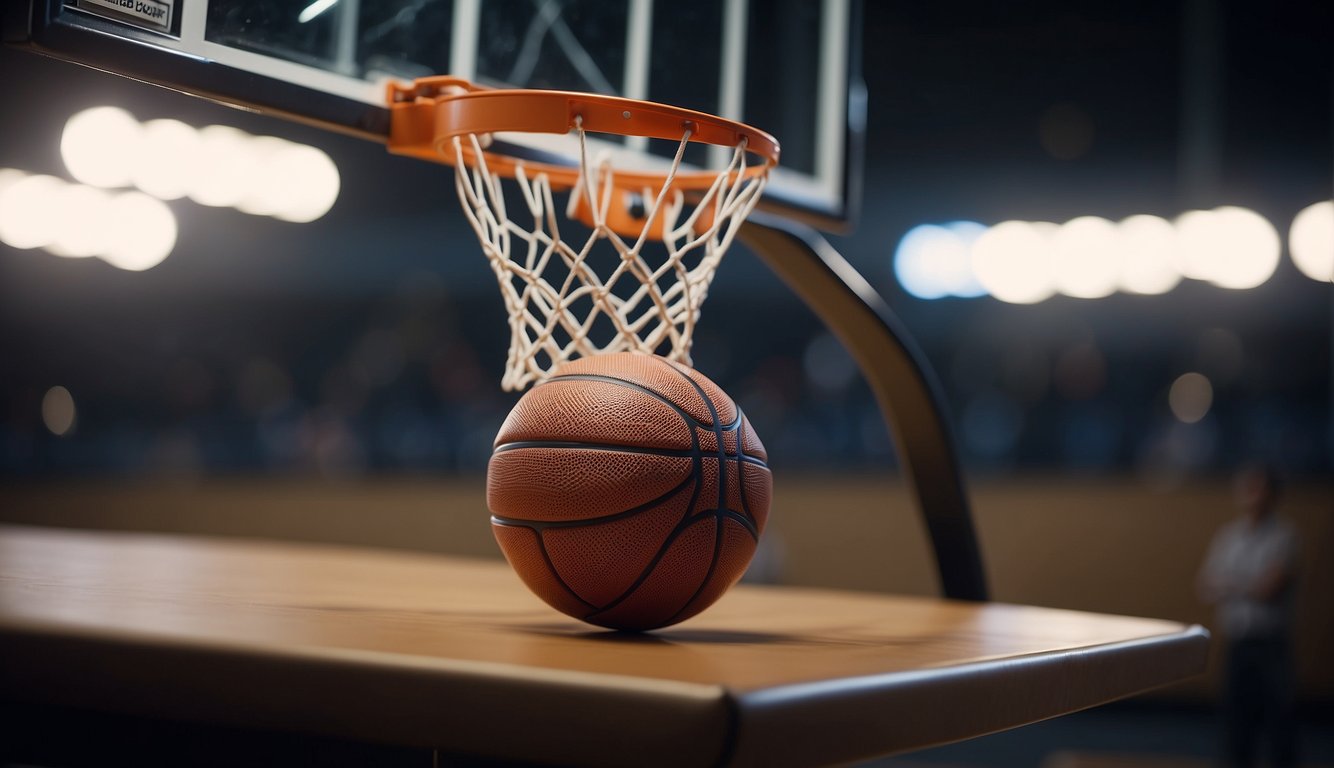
(541, 525)
(696, 456)
(717, 430)
(690, 420)
(680, 453)
(542, 545)
(652, 565)
(582, 522)
(720, 517)
(740, 466)
(731, 515)
(697, 474)
(718, 531)
(718, 526)
(551, 567)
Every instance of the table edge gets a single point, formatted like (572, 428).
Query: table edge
(399, 699)
(888, 713)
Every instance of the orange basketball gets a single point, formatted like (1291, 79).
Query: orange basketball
(628, 491)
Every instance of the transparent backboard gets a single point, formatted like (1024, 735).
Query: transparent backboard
(788, 67)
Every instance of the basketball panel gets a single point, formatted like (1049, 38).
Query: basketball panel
(601, 561)
(594, 412)
(726, 408)
(750, 441)
(757, 485)
(669, 587)
(562, 484)
(647, 371)
(711, 493)
(737, 549)
(524, 553)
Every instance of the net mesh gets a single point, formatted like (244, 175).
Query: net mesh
(591, 290)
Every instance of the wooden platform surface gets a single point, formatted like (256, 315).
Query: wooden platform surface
(455, 654)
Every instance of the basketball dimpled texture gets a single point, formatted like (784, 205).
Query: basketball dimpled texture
(628, 491)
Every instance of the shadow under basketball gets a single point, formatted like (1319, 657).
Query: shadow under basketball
(670, 637)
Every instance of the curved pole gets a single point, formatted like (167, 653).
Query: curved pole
(903, 383)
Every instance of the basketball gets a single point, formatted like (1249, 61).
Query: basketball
(628, 491)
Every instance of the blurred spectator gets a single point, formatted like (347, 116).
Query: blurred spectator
(1250, 574)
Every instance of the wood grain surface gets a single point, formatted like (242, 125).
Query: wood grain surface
(455, 654)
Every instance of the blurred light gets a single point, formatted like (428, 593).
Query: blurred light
(1230, 247)
(81, 233)
(1148, 245)
(271, 190)
(168, 160)
(1197, 242)
(1013, 261)
(315, 9)
(1253, 252)
(1190, 397)
(933, 261)
(1086, 259)
(30, 213)
(58, 412)
(1311, 241)
(129, 230)
(295, 182)
(263, 175)
(312, 180)
(216, 165)
(1024, 262)
(143, 232)
(10, 176)
(227, 167)
(100, 146)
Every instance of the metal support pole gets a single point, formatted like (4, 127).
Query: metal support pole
(903, 383)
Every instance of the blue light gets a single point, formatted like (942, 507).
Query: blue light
(967, 286)
(932, 260)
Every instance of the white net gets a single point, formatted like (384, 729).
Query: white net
(601, 291)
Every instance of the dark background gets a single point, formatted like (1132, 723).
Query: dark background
(257, 337)
(371, 339)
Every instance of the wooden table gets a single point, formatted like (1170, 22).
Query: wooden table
(455, 658)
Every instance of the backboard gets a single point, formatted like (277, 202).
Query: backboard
(788, 67)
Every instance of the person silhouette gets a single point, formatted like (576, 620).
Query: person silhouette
(1250, 576)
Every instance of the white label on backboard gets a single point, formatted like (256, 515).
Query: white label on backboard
(150, 14)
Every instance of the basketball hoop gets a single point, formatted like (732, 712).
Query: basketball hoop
(669, 227)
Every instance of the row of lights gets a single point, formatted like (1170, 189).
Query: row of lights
(216, 165)
(128, 229)
(1311, 241)
(1025, 262)
(107, 150)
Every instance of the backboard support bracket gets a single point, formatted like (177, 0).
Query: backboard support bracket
(904, 385)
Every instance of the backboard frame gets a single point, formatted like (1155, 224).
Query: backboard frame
(183, 60)
(63, 32)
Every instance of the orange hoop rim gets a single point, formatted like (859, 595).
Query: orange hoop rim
(431, 112)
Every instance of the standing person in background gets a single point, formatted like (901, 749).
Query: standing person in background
(1250, 575)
